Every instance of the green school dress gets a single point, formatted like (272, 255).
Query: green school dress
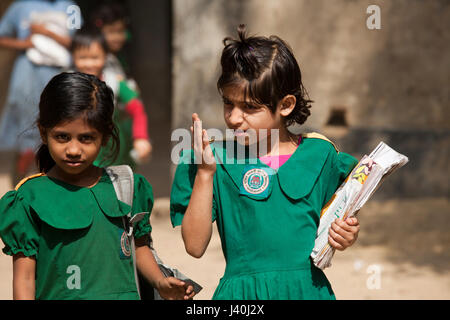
(76, 235)
(268, 219)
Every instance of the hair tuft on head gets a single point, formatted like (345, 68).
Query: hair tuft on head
(268, 69)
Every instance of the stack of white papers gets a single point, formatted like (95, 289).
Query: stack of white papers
(354, 192)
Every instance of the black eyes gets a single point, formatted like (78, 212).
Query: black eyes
(62, 137)
(67, 138)
(227, 102)
(251, 107)
(86, 138)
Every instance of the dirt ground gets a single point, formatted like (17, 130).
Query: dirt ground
(402, 253)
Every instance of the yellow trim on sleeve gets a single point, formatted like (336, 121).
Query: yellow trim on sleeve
(21, 183)
(315, 135)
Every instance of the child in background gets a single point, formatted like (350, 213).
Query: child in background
(267, 209)
(111, 19)
(27, 79)
(73, 247)
(89, 51)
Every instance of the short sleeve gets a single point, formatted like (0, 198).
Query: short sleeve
(19, 228)
(342, 165)
(182, 186)
(8, 23)
(142, 202)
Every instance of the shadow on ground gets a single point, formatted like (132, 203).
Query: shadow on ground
(414, 231)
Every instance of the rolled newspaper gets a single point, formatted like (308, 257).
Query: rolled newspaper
(354, 192)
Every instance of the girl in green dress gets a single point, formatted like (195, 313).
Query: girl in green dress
(64, 226)
(267, 208)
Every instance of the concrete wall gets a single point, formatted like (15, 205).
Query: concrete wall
(151, 65)
(393, 82)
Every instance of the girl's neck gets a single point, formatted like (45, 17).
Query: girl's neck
(286, 143)
(86, 179)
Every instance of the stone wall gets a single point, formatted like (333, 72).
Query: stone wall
(392, 82)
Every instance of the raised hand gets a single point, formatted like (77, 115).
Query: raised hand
(204, 156)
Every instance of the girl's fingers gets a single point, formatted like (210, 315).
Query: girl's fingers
(198, 138)
(205, 139)
(350, 225)
(196, 130)
(195, 117)
(175, 282)
(190, 293)
(208, 155)
(340, 237)
(352, 221)
(335, 244)
(190, 296)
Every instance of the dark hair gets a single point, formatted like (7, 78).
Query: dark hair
(270, 70)
(71, 95)
(85, 37)
(108, 13)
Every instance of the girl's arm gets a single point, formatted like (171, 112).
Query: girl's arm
(135, 108)
(24, 279)
(141, 142)
(16, 44)
(41, 29)
(196, 228)
(169, 288)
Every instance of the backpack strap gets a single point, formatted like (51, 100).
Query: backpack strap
(122, 179)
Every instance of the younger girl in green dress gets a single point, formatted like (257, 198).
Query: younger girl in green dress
(64, 226)
(267, 208)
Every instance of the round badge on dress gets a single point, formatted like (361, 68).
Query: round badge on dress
(125, 245)
(256, 181)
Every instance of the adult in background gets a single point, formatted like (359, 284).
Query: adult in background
(37, 29)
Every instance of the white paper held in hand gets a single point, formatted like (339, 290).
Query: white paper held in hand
(354, 192)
